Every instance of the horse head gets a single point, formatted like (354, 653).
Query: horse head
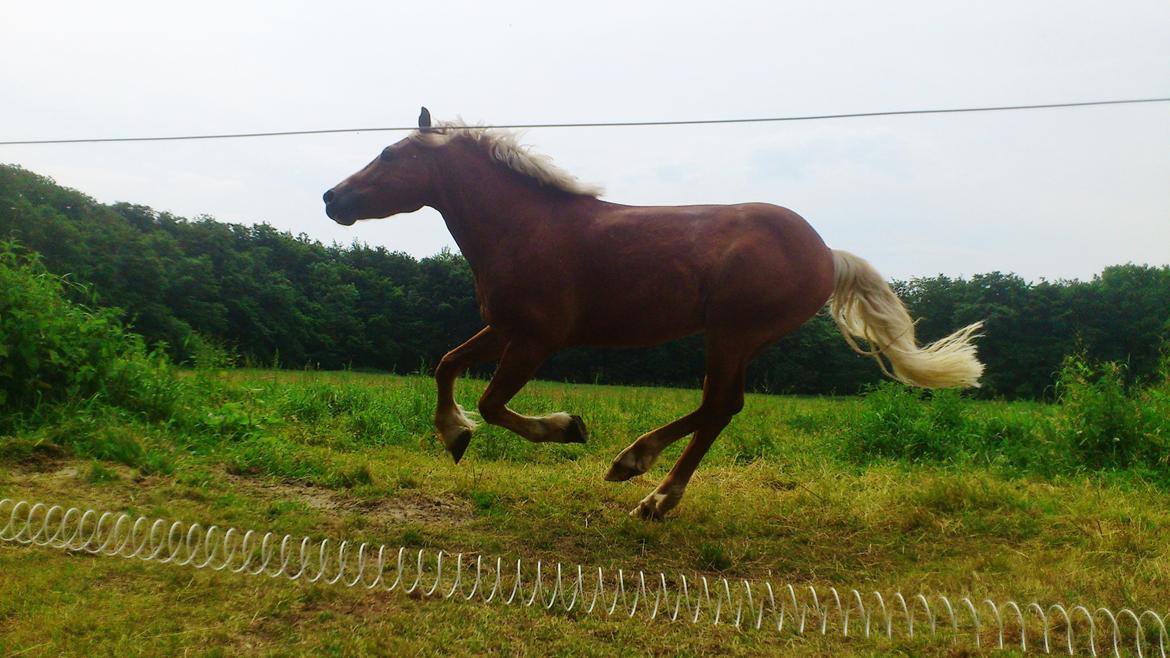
(399, 180)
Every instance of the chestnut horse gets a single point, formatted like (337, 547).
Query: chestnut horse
(555, 267)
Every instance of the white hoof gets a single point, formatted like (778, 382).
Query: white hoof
(656, 505)
(630, 463)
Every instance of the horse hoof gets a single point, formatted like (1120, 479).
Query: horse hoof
(628, 464)
(619, 472)
(656, 505)
(576, 432)
(647, 512)
(459, 445)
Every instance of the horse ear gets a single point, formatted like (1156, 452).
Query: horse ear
(424, 121)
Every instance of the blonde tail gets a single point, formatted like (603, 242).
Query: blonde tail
(864, 306)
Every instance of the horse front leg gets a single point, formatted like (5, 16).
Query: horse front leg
(452, 426)
(517, 365)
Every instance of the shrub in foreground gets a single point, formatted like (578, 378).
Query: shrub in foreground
(1099, 422)
(1112, 424)
(898, 422)
(53, 350)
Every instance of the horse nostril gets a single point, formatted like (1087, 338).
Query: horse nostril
(328, 196)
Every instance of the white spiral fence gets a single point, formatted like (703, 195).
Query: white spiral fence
(592, 591)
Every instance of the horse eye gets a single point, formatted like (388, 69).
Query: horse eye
(386, 154)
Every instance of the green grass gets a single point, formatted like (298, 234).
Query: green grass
(885, 492)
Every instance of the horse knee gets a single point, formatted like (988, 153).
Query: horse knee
(447, 367)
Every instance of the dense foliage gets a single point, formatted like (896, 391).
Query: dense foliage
(288, 300)
(73, 378)
(53, 350)
(1099, 421)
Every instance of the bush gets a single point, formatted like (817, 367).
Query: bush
(1110, 424)
(1099, 422)
(898, 422)
(902, 423)
(53, 350)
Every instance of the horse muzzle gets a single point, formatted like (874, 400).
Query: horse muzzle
(338, 211)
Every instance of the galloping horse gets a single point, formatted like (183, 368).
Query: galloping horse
(555, 266)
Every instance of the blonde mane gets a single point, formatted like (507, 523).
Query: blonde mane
(504, 147)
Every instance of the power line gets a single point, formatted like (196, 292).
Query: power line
(598, 124)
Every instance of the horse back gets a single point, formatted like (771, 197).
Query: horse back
(643, 275)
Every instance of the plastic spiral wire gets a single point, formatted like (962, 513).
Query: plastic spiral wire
(592, 591)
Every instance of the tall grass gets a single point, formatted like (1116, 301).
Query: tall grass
(1099, 422)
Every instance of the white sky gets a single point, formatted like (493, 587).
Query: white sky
(1046, 193)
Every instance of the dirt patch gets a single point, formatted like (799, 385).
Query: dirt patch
(411, 506)
(69, 484)
(26, 455)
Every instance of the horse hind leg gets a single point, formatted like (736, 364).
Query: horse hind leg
(722, 399)
(669, 492)
(640, 456)
(517, 365)
(452, 425)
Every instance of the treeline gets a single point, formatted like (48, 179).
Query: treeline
(280, 299)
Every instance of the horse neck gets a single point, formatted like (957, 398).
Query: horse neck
(489, 209)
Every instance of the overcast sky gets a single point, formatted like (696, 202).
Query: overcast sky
(1045, 193)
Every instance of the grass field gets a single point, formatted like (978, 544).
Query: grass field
(783, 495)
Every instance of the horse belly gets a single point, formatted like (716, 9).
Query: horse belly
(633, 310)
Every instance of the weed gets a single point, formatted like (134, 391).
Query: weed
(713, 557)
(483, 501)
(1105, 423)
(413, 538)
(353, 476)
(98, 473)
